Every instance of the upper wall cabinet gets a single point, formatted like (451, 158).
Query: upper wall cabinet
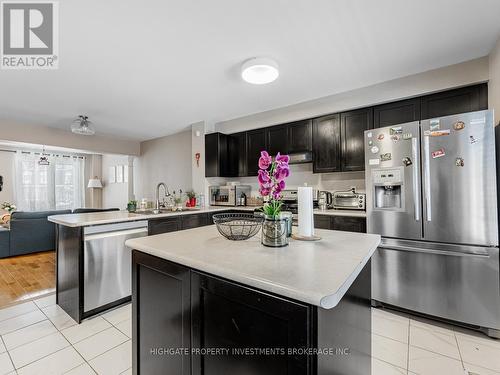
(326, 144)
(300, 136)
(352, 127)
(465, 99)
(215, 154)
(277, 139)
(256, 142)
(239, 154)
(396, 113)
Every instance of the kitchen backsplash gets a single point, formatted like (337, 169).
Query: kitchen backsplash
(301, 174)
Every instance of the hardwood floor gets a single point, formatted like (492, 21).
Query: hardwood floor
(25, 277)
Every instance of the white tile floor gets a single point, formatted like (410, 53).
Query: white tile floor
(39, 338)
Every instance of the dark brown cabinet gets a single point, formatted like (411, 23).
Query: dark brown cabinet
(256, 142)
(160, 322)
(322, 222)
(326, 144)
(277, 139)
(349, 224)
(451, 102)
(163, 225)
(396, 113)
(239, 153)
(228, 315)
(353, 126)
(343, 223)
(300, 136)
(193, 221)
(179, 312)
(217, 155)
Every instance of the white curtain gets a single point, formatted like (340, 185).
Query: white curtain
(57, 186)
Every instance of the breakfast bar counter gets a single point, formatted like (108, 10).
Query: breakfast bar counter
(200, 302)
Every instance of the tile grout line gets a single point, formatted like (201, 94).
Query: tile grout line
(408, 348)
(7, 351)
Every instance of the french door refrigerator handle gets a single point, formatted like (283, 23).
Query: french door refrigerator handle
(427, 179)
(416, 191)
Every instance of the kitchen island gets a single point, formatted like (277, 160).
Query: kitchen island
(93, 265)
(206, 305)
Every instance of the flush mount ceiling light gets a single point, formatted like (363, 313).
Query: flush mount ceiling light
(259, 70)
(82, 126)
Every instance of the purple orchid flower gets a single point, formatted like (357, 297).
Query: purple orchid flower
(265, 160)
(281, 172)
(282, 159)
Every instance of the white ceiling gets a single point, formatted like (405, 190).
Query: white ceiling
(144, 69)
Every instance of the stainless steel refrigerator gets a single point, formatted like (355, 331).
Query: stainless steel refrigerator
(432, 195)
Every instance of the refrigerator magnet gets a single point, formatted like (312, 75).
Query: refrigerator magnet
(395, 138)
(396, 130)
(374, 161)
(438, 153)
(459, 125)
(370, 143)
(434, 124)
(407, 162)
(440, 133)
(374, 150)
(381, 136)
(386, 157)
(369, 134)
(459, 162)
(407, 136)
(472, 139)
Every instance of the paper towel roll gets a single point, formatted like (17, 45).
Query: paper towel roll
(306, 216)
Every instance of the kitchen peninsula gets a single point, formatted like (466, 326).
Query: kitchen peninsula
(204, 305)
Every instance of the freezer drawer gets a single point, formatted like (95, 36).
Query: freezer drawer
(108, 262)
(460, 285)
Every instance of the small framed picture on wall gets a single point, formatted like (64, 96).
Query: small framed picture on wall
(119, 174)
(112, 175)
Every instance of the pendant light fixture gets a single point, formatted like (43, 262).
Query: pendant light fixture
(260, 70)
(44, 160)
(82, 126)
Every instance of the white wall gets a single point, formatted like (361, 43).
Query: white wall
(114, 194)
(462, 74)
(167, 159)
(7, 171)
(494, 84)
(41, 135)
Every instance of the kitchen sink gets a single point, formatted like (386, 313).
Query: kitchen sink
(164, 211)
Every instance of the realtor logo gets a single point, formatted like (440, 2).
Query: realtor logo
(29, 35)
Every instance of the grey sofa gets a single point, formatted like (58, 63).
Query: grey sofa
(31, 232)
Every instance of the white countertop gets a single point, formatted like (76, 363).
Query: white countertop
(351, 213)
(318, 273)
(109, 217)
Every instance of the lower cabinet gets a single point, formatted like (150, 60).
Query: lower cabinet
(344, 223)
(193, 221)
(160, 322)
(349, 224)
(163, 225)
(231, 316)
(174, 307)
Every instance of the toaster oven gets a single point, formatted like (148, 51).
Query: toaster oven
(349, 200)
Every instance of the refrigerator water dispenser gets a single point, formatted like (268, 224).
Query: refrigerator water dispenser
(388, 189)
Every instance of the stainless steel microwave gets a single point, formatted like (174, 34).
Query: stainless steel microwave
(230, 195)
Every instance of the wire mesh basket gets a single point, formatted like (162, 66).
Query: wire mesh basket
(238, 227)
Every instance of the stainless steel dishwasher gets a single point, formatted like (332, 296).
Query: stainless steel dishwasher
(108, 262)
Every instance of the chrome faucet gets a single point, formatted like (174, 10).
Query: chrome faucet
(167, 194)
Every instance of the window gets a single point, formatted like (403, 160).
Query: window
(59, 185)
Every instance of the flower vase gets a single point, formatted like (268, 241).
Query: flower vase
(274, 232)
(192, 202)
